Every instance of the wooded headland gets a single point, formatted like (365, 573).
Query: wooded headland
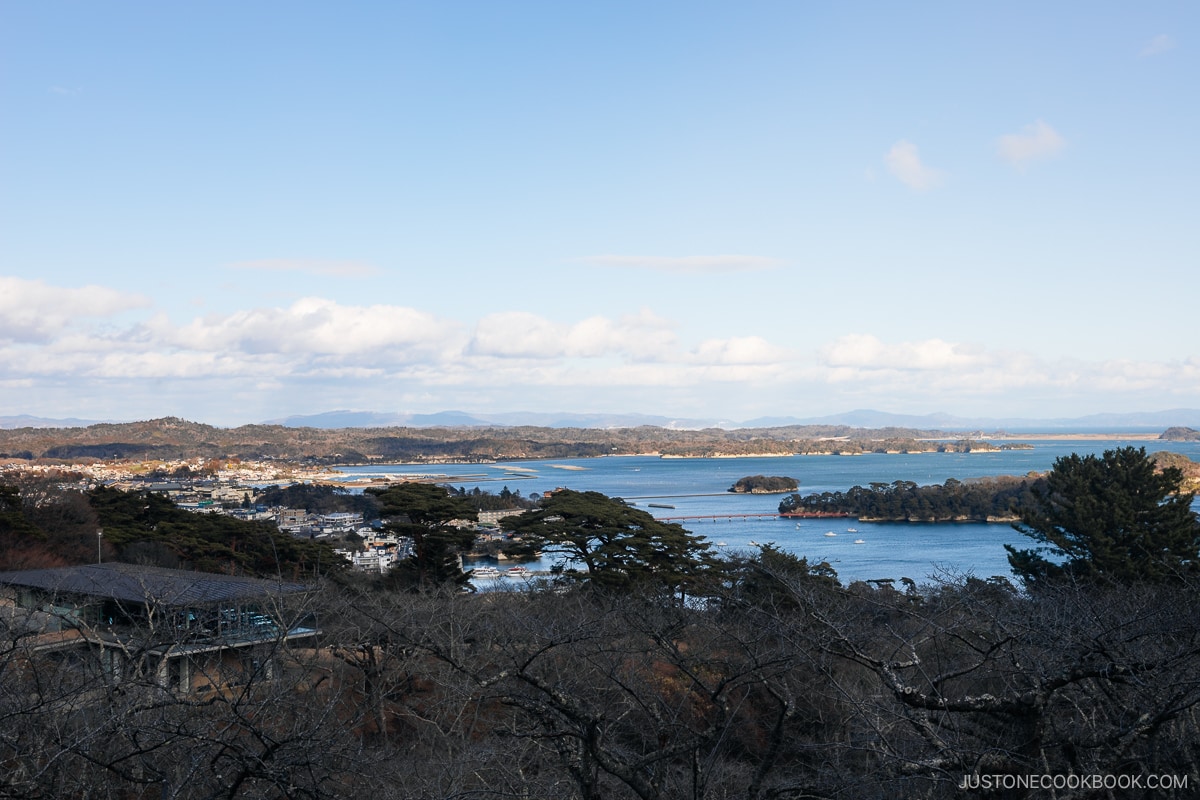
(173, 438)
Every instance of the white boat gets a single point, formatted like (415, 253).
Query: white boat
(860, 541)
(830, 533)
(851, 530)
(485, 572)
(517, 572)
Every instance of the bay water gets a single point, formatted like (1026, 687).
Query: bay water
(696, 489)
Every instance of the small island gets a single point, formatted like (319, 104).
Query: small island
(997, 499)
(1180, 434)
(763, 484)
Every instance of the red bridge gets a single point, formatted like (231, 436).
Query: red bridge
(788, 515)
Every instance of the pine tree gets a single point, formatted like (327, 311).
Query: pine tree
(609, 543)
(425, 513)
(1112, 517)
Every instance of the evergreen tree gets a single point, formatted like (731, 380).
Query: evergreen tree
(22, 544)
(138, 525)
(605, 541)
(424, 513)
(1112, 516)
(769, 578)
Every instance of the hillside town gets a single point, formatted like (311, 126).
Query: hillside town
(232, 488)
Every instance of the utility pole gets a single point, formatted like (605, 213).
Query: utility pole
(99, 536)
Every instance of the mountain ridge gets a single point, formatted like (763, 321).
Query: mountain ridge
(1131, 422)
(858, 418)
(172, 438)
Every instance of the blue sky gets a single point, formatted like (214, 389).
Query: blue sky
(234, 212)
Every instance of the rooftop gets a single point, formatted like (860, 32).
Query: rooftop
(132, 583)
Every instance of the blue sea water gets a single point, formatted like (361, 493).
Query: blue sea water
(698, 487)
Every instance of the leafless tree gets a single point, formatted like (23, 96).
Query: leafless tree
(794, 688)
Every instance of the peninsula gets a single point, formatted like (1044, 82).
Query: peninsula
(171, 438)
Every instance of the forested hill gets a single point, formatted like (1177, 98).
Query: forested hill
(994, 499)
(173, 438)
(45, 526)
(981, 500)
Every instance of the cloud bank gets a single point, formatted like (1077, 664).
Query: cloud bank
(61, 344)
(32, 311)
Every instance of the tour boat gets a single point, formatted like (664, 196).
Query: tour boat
(485, 572)
(517, 572)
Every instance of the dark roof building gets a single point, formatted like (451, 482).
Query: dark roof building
(189, 630)
(131, 583)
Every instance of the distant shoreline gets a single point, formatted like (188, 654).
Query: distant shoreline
(169, 444)
(1075, 437)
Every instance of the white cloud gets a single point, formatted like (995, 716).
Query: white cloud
(935, 373)
(1158, 45)
(687, 264)
(32, 311)
(742, 350)
(315, 326)
(643, 336)
(315, 351)
(904, 162)
(1035, 141)
(312, 337)
(863, 351)
(521, 334)
(1124, 375)
(336, 269)
(530, 350)
(518, 334)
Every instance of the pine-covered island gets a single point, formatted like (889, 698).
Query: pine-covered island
(765, 484)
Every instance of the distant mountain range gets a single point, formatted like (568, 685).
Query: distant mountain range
(862, 418)
(1148, 421)
(1152, 421)
(452, 419)
(27, 421)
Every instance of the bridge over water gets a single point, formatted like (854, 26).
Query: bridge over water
(718, 517)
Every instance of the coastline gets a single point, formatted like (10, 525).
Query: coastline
(1006, 437)
(731, 455)
(1079, 437)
